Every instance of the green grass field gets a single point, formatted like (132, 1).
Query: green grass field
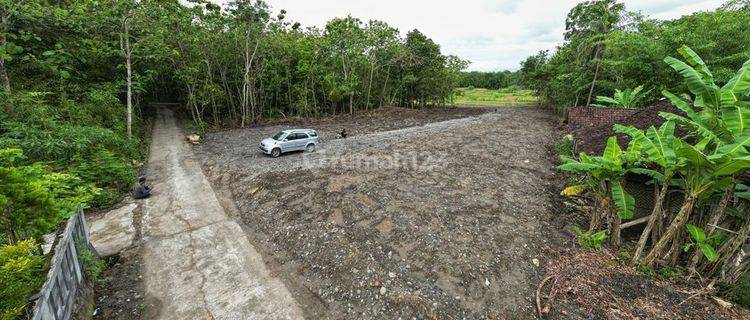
(488, 97)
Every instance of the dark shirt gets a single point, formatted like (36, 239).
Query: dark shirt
(140, 191)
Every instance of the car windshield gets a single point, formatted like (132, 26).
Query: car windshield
(278, 136)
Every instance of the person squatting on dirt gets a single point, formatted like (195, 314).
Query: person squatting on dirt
(142, 189)
(343, 133)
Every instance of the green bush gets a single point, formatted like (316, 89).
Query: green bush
(566, 147)
(590, 240)
(110, 173)
(92, 264)
(22, 273)
(80, 132)
(739, 292)
(36, 200)
(509, 89)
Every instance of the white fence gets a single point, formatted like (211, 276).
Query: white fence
(65, 275)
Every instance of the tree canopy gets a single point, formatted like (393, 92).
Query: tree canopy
(631, 51)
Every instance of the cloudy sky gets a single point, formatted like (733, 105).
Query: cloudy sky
(493, 35)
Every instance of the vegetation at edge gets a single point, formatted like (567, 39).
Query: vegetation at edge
(509, 96)
(607, 48)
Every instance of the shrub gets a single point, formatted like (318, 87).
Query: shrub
(110, 173)
(590, 240)
(35, 199)
(22, 273)
(92, 264)
(566, 147)
(509, 89)
(739, 292)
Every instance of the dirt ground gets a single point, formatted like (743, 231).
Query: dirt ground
(599, 285)
(443, 213)
(120, 293)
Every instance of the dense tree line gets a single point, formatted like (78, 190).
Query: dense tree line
(240, 64)
(607, 48)
(489, 80)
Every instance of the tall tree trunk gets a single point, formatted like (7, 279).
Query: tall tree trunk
(246, 89)
(679, 220)
(384, 95)
(658, 207)
(4, 80)
(677, 247)
(245, 98)
(369, 87)
(596, 74)
(128, 65)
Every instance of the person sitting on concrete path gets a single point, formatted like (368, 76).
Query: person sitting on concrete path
(142, 189)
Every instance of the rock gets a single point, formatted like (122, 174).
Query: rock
(535, 261)
(193, 138)
(391, 275)
(113, 231)
(723, 303)
(382, 290)
(487, 282)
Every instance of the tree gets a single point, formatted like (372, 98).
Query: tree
(381, 42)
(251, 17)
(632, 55)
(588, 24)
(346, 40)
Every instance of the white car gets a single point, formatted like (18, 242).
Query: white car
(290, 140)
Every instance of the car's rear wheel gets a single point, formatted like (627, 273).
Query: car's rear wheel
(310, 148)
(276, 152)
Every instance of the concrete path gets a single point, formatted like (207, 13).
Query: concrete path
(197, 262)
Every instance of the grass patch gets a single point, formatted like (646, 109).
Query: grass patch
(511, 96)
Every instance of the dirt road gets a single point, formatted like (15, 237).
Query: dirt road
(197, 263)
(448, 217)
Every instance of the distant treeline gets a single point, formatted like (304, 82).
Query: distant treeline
(489, 80)
(608, 47)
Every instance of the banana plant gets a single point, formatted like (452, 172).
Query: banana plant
(721, 114)
(626, 99)
(660, 159)
(719, 119)
(604, 178)
(703, 176)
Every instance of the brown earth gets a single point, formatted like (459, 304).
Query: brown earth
(120, 291)
(446, 220)
(599, 285)
(439, 214)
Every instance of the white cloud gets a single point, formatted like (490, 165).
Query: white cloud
(494, 35)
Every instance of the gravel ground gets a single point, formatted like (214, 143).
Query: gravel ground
(443, 213)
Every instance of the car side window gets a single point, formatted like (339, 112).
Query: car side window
(313, 134)
(301, 136)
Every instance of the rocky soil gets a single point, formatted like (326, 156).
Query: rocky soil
(440, 213)
(601, 285)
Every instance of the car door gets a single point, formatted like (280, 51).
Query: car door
(300, 140)
(288, 142)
